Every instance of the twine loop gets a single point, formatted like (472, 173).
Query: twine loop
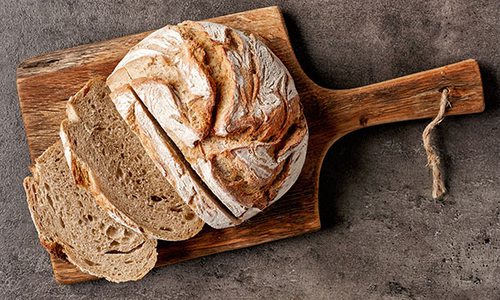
(433, 158)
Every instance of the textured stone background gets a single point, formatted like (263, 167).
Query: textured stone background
(383, 236)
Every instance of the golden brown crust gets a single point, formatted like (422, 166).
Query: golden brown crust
(53, 248)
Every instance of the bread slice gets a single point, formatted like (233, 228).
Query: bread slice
(105, 156)
(71, 225)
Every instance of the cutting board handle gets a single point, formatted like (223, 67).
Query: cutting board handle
(410, 97)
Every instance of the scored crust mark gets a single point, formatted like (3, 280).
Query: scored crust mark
(292, 173)
(219, 67)
(158, 96)
(169, 56)
(261, 141)
(257, 139)
(108, 159)
(233, 109)
(71, 226)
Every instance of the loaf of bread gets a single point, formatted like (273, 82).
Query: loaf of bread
(70, 224)
(105, 157)
(219, 108)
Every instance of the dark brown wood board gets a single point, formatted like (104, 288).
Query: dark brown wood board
(45, 83)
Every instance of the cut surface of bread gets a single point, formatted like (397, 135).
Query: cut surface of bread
(70, 224)
(106, 157)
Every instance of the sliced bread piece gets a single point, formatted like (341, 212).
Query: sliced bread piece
(71, 225)
(105, 156)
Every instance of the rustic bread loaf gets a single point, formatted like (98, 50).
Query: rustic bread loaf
(108, 159)
(225, 103)
(71, 225)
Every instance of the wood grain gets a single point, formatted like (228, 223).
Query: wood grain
(47, 81)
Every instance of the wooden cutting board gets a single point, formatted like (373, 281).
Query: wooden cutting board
(45, 83)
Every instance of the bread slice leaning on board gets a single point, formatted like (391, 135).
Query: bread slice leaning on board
(105, 157)
(216, 104)
(71, 225)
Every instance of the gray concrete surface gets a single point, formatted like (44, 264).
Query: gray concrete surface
(383, 236)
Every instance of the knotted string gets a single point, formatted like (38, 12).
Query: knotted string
(433, 159)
